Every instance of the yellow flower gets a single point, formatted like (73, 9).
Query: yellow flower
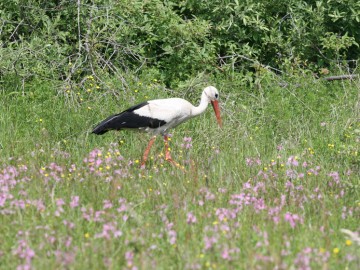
(336, 250)
(137, 161)
(311, 151)
(348, 242)
(87, 235)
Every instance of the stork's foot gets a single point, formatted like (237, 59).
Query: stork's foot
(173, 162)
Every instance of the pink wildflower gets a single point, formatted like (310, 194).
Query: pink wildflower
(172, 237)
(74, 201)
(292, 219)
(292, 161)
(225, 254)
(107, 204)
(209, 242)
(60, 202)
(191, 218)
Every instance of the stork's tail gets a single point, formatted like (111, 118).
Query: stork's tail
(109, 123)
(100, 130)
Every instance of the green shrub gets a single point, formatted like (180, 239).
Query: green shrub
(61, 40)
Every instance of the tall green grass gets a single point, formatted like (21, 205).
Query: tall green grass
(272, 189)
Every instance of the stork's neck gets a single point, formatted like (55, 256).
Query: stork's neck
(204, 102)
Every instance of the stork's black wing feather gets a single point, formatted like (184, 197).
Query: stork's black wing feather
(127, 119)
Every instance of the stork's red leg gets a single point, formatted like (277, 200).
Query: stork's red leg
(167, 152)
(147, 150)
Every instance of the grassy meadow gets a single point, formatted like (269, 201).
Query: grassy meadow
(275, 188)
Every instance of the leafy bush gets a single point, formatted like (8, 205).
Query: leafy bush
(65, 40)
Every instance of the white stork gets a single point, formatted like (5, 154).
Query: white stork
(159, 116)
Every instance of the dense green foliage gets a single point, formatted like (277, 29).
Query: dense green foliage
(180, 39)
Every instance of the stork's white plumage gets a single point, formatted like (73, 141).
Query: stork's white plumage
(159, 116)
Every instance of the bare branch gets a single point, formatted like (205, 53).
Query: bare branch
(341, 77)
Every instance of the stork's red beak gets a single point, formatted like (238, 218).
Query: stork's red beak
(215, 104)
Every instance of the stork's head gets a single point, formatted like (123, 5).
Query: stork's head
(213, 95)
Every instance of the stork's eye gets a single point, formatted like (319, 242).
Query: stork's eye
(216, 96)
